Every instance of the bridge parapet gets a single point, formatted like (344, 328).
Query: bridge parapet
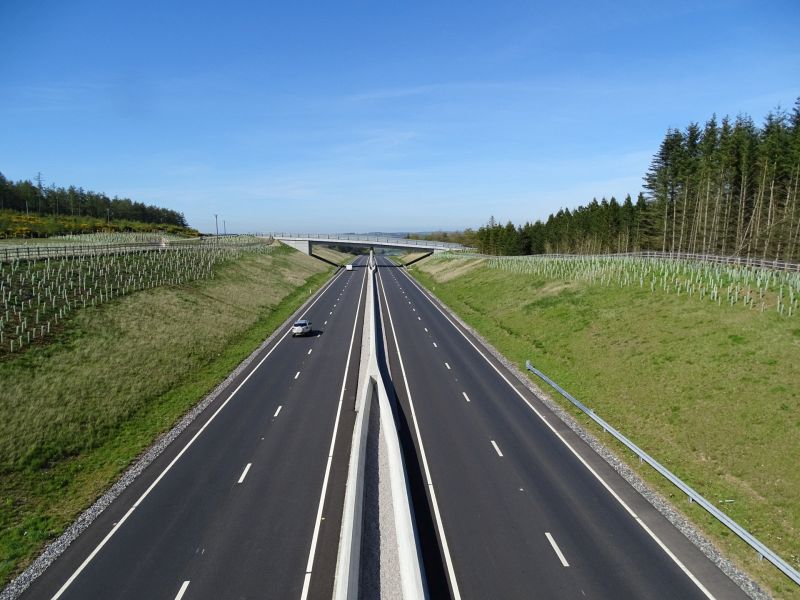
(364, 241)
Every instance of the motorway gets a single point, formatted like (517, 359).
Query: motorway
(247, 502)
(509, 502)
(521, 506)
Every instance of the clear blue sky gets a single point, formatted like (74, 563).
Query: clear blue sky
(362, 116)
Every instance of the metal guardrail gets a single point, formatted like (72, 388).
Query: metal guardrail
(747, 537)
(369, 238)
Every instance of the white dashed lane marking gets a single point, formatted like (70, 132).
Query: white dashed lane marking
(497, 449)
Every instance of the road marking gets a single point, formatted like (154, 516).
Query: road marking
(497, 449)
(434, 345)
(244, 473)
(426, 330)
(575, 453)
(309, 351)
(277, 412)
(465, 396)
(437, 514)
(296, 375)
(557, 549)
(183, 450)
(447, 365)
(318, 521)
(325, 323)
(182, 591)
(330, 313)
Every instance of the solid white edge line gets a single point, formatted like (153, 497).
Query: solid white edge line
(465, 396)
(557, 549)
(244, 473)
(150, 488)
(497, 449)
(437, 514)
(182, 591)
(313, 549)
(596, 475)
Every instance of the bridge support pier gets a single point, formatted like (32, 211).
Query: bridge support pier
(303, 246)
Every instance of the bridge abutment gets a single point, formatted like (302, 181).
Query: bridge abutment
(303, 246)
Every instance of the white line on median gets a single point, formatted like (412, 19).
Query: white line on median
(315, 535)
(465, 396)
(497, 449)
(183, 450)
(575, 453)
(182, 591)
(277, 412)
(296, 375)
(244, 473)
(557, 549)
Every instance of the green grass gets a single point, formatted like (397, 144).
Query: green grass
(711, 391)
(74, 414)
(340, 258)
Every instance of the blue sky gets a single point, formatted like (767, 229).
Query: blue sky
(374, 116)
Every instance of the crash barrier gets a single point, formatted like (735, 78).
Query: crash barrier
(761, 549)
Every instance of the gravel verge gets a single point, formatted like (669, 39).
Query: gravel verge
(664, 506)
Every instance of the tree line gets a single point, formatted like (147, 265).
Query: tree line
(35, 199)
(729, 187)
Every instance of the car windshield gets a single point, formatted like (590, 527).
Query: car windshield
(300, 324)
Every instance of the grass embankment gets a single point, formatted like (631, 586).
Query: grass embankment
(406, 257)
(75, 413)
(336, 257)
(712, 392)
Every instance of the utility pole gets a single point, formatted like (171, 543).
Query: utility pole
(216, 224)
(224, 228)
(39, 186)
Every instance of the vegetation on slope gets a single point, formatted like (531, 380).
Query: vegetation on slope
(710, 389)
(64, 441)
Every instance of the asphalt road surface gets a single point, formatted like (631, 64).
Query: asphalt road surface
(522, 508)
(247, 502)
(509, 502)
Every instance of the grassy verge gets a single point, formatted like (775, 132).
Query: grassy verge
(149, 358)
(340, 258)
(406, 257)
(711, 391)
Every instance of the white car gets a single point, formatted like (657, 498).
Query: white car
(301, 327)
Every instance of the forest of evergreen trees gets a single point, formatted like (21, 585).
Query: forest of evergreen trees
(727, 188)
(35, 199)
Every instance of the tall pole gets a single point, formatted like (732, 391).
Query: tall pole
(224, 228)
(216, 224)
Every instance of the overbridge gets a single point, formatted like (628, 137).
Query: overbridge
(304, 241)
